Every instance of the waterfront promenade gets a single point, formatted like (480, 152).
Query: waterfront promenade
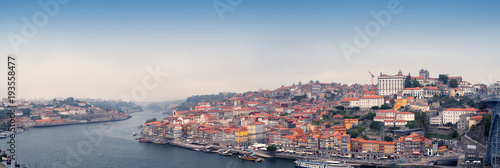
(298, 154)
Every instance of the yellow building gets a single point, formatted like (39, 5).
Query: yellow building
(354, 144)
(389, 147)
(349, 123)
(241, 134)
(398, 103)
(251, 128)
(370, 146)
(330, 144)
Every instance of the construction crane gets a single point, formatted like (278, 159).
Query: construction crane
(372, 78)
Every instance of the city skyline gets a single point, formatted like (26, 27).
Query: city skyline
(103, 49)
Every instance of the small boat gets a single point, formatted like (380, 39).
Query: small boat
(326, 164)
(250, 158)
(106, 123)
(144, 141)
(246, 157)
(196, 149)
(226, 153)
(19, 131)
(135, 133)
(4, 135)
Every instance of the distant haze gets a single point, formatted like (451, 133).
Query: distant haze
(101, 49)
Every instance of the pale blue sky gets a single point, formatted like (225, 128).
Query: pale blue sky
(100, 49)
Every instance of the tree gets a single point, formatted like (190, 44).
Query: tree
(415, 83)
(354, 134)
(299, 98)
(411, 124)
(454, 134)
(340, 107)
(329, 95)
(36, 118)
(453, 83)
(271, 148)
(26, 112)
(326, 117)
(370, 116)
(70, 99)
(388, 139)
(375, 108)
(151, 120)
(443, 78)
(472, 127)
(355, 108)
(375, 125)
(408, 81)
(282, 114)
(385, 106)
(487, 123)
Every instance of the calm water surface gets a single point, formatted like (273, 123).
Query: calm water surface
(99, 145)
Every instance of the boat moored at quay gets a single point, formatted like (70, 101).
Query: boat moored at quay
(320, 164)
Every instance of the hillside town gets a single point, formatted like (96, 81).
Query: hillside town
(61, 112)
(401, 116)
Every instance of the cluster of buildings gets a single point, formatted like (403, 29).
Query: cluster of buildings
(278, 117)
(392, 118)
(59, 113)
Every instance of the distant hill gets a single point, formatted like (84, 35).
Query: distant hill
(194, 100)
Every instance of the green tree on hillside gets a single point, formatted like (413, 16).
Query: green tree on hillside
(415, 83)
(453, 83)
(407, 83)
(443, 79)
(388, 139)
(151, 120)
(375, 125)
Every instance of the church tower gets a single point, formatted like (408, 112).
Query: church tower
(174, 113)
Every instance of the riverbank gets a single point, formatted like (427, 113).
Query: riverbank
(356, 162)
(81, 122)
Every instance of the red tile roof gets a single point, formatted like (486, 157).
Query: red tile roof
(372, 97)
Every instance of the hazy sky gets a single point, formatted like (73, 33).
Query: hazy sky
(96, 49)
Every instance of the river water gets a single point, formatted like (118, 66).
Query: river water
(113, 145)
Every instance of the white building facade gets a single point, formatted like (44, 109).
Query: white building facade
(370, 101)
(390, 84)
(453, 114)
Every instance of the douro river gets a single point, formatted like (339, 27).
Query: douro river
(113, 145)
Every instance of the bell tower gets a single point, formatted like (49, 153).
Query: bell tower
(174, 113)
